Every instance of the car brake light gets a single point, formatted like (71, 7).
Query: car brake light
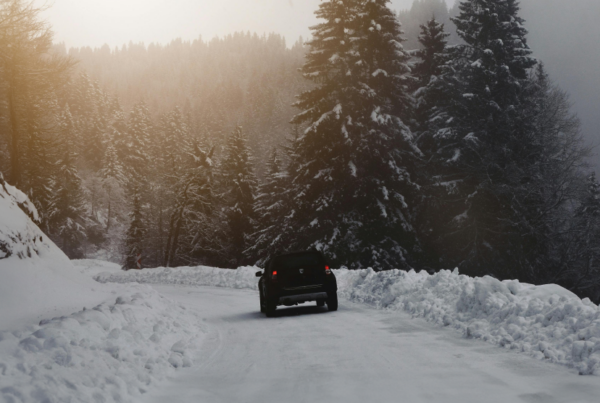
(327, 270)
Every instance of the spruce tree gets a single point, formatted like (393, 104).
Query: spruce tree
(135, 145)
(171, 153)
(113, 177)
(480, 134)
(135, 235)
(67, 215)
(239, 187)
(582, 274)
(269, 208)
(193, 236)
(354, 186)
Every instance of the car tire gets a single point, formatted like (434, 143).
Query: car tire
(263, 308)
(332, 302)
(270, 308)
(320, 302)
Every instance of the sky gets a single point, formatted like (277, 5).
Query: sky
(116, 22)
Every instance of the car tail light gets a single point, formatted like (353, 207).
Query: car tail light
(274, 275)
(327, 270)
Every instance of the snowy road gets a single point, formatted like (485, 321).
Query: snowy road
(357, 354)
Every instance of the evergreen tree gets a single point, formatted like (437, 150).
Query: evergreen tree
(135, 236)
(40, 157)
(429, 73)
(354, 186)
(29, 77)
(433, 54)
(135, 145)
(67, 208)
(171, 152)
(480, 136)
(270, 208)
(420, 12)
(581, 273)
(113, 177)
(193, 236)
(239, 187)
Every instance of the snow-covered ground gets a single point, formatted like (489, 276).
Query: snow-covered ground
(67, 338)
(546, 322)
(373, 349)
(357, 354)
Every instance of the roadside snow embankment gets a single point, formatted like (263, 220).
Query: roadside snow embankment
(243, 277)
(547, 322)
(110, 353)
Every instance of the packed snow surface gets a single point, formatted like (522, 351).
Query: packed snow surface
(547, 322)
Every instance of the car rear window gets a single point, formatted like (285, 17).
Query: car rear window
(297, 261)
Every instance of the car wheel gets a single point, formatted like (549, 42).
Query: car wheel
(332, 302)
(320, 302)
(270, 308)
(262, 303)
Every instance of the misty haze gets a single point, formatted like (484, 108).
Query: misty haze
(299, 200)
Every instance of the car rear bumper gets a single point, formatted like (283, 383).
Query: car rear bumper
(296, 299)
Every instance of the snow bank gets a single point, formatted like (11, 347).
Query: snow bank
(19, 236)
(243, 277)
(111, 353)
(37, 280)
(547, 322)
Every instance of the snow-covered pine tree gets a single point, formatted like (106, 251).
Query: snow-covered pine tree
(113, 177)
(480, 134)
(171, 151)
(135, 145)
(431, 73)
(29, 79)
(420, 12)
(354, 186)
(239, 188)
(135, 236)
(174, 144)
(433, 54)
(67, 214)
(270, 207)
(433, 90)
(582, 272)
(40, 156)
(194, 224)
(544, 183)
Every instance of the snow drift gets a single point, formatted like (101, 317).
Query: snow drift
(114, 351)
(546, 322)
(38, 280)
(111, 353)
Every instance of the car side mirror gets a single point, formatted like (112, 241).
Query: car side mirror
(258, 274)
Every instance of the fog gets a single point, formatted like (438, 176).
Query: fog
(565, 34)
(115, 22)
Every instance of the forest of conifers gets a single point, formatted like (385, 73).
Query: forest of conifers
(459, 153)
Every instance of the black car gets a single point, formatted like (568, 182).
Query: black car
(295, 278)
